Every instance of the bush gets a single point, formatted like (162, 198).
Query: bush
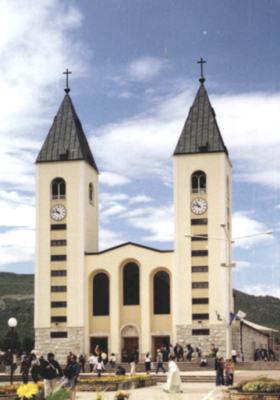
(261, 384)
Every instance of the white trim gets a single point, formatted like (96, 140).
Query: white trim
(82, 245)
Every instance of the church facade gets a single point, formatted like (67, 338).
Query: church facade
(132, 296)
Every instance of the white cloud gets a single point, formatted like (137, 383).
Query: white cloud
(158, 222)
(261, 290)
(144, 68)
(116, 209)
(112, 179)
(241, 265)
(140, 199)
(17, 245)
(20, 215)
(243, 225)
(109, 239)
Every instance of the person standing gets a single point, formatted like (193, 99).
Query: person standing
(217, 369)
(73, 375)
(148, 362)
(50, 371)
(34, 368)
(159, 361)
(221, 371)
(175, 351)
(112, 362)
(132, 363)
(231, 372)
(233, 355)
(91, 361)
(24, 368)
(82, 362)
(100, 366)
(173, 384)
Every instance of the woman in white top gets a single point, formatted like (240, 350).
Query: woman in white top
(100, 366)
(148, 363)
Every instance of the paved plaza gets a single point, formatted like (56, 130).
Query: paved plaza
(191, 390)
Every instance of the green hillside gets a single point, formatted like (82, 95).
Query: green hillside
(17, 300)
(263, 310)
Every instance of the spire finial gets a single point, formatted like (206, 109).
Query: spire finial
(201, 62)
(67, 90)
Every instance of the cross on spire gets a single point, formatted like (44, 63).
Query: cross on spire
(67, 90)
(201, 62)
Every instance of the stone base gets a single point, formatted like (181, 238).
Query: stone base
(217, 336)
(44, 344)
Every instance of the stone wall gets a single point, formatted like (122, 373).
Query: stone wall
(251, 340)
(44, 344)
(217, 336)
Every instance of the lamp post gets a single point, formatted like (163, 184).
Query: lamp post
(12, 324)
(228, 264)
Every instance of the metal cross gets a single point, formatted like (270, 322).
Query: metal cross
(201, 62)
(67, 90)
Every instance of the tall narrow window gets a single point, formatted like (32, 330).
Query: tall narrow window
(198, 182)
(101, 294)
(131, 284)
(58, 189)
(161, 293)
(90, 193)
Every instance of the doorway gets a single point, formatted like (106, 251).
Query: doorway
(101, 341)
(158, 343)
(130, 344)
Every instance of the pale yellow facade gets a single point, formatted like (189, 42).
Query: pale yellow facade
(67, 310)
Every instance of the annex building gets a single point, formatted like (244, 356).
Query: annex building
(132, 296)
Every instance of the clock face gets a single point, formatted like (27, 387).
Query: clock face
(58, 212)
(198, 206)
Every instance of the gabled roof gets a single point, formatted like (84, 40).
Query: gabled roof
(127, 244)
(261, 328)
(66, 140)
(201, 133)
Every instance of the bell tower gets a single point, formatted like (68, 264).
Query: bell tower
(66, 228)
(202, 202)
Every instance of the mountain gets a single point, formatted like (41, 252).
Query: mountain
(17, 300)
(263, 310)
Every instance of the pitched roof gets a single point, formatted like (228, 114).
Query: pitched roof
(66, 140)
(201, 133)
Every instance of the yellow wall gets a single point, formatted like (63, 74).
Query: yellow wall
(141, 316)
(217, 168)
(81, 236)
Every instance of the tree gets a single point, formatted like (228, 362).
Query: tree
(28, 344)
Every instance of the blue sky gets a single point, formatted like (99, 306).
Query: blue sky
(133, 103)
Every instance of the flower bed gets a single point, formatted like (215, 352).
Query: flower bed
(10, 390)
(261, 388)
(115, 383)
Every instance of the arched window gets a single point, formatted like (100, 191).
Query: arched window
(131, 284)
(198, 182)
(58, 189)
(161, 293)
(90, 193)
(101, 294)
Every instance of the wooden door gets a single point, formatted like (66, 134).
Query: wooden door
(130, 345)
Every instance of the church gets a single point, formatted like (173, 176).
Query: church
(132, 296)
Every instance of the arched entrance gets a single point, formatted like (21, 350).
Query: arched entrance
(129, 341)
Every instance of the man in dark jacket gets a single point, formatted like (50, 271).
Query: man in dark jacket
(73, 375)
(50, 371)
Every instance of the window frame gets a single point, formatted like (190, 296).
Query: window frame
(59, 182)
(159, 297)
(131, 285)
(199, 175)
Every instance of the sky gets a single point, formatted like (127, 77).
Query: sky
(134, 78)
